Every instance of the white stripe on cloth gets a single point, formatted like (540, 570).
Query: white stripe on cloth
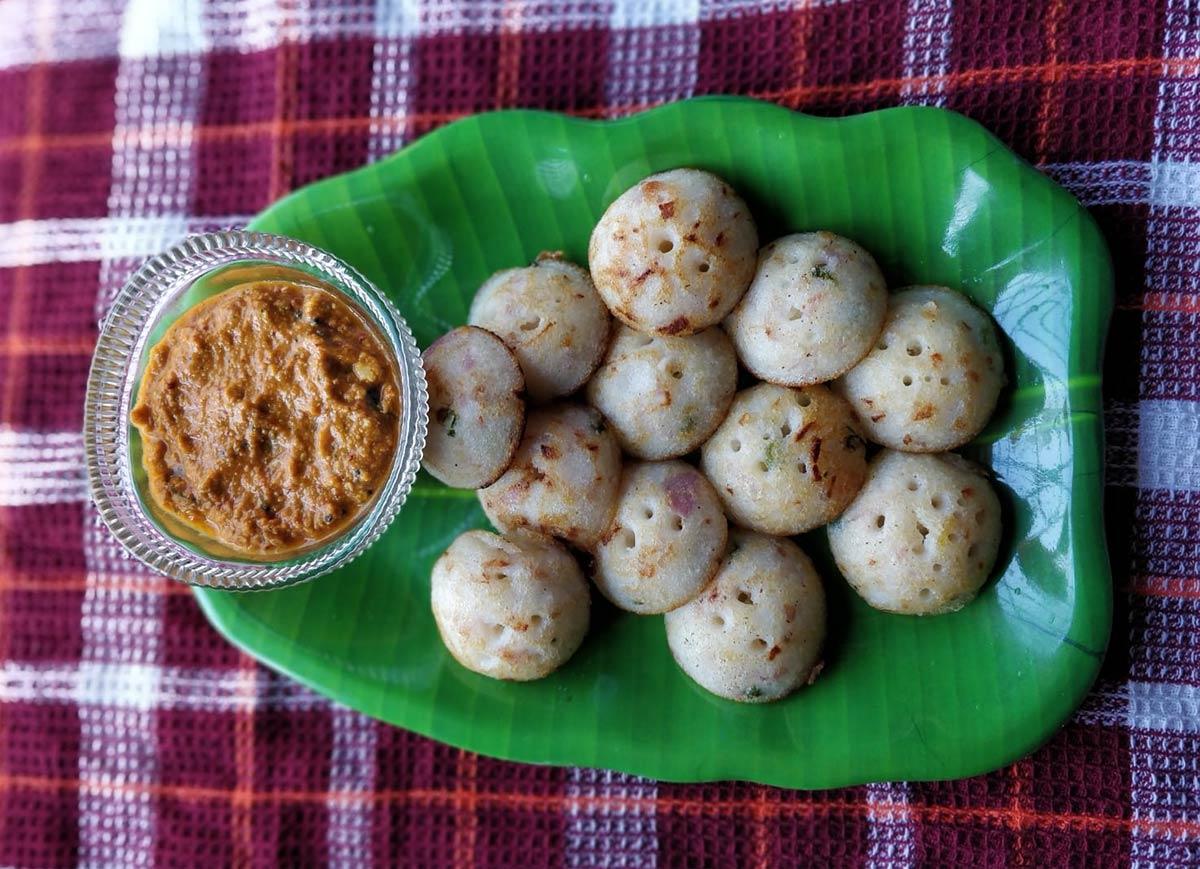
(352, 770)
(599, 837)
(84, 239)
(653, 13)
(653, 55)
(1164, 708)
(150, 180)
(1163, 768)
(1149, 706)
(891, 830)
(137, 685)
(1175, 184)
(118, 743)
(90, 31)
(928, 29)
(1104, 182)
(397, 23)
(41, 468)
(1167, 184)
(1169, 445)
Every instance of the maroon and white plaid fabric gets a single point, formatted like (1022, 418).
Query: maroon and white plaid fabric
(131, 734)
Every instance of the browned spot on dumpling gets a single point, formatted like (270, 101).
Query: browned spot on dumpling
(667, 209)
(679, 324)
(925, 411)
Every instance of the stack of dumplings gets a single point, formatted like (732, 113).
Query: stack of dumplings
(597, 414)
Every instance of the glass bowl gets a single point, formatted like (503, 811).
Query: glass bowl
(155, 296)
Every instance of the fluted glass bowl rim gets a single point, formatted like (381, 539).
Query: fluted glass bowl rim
(122, 343)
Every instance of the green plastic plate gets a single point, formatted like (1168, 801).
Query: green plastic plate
(938, 200)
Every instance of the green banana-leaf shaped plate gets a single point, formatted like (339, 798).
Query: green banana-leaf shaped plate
(938, 200)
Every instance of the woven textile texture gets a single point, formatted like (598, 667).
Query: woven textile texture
(131, 734)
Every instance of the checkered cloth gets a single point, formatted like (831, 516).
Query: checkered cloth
(130, 733)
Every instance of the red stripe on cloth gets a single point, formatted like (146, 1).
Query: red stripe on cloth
(992, 817)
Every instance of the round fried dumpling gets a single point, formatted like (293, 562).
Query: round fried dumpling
(814, 309)
(476, 407)
(757, 632)
(786, 460)
(932, 380)
(550, 316)
(665, 541)
(922, 535)
(563, 480)
(665, 396)
(674, 253)
(509, 608)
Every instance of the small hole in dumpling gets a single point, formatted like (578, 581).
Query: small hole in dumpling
(913, 349)
(936, 502)
(743, 596)
(758, 644)
(972, 550)
(703, 267)
(677, 523)
(937, 568)
(648, 512)
(882, 345)
(913, 485)
(535, 620)
(802, 468)
(927, 378)
(923, 531)
(676, 373)
(718, 622)
(666, 245)
(925, 593)
(907, 381)
(762, 466)
(804, 400)
(628, 538)
(735, 445)
(530, 325)
(945, 381)
(879, 520)
(785, 430)
(952, 537)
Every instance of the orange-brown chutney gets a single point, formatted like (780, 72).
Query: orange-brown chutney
(269, 416)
